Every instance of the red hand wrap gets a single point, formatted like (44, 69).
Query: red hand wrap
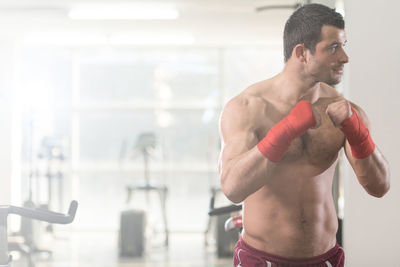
(358, 136)
(274, 145)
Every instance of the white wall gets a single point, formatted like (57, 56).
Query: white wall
(6, 80)
(372, 226)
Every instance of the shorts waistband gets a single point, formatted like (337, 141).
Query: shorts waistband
(271, 257)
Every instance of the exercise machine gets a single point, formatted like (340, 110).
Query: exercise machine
(133, 222)
(224, 236)
(36, 214)
(51, 153)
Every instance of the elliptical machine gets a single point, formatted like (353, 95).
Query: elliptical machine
(36, 214)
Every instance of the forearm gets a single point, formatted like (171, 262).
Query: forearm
(245, 174)
(373, 173)
(369, 165)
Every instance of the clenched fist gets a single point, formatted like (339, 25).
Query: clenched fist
(339, 111)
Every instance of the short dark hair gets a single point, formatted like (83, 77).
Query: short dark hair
(304, 26)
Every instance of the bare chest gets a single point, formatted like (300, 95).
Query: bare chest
(320, 145)
(317, 146)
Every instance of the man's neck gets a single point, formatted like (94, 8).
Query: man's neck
(294, 85)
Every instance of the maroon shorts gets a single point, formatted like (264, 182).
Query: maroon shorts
(247, 256)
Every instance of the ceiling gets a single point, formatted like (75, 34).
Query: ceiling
(211, 22)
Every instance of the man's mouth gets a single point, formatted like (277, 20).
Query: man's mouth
(338, 70)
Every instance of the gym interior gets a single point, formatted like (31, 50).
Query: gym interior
(116, 104)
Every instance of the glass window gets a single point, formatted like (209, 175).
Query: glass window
(45, 77)
(191, 136)
(155, 76)
(174, 94)
(246, 66)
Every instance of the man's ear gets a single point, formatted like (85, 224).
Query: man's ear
(299, 52)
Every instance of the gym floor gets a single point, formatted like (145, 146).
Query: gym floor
(99, 249)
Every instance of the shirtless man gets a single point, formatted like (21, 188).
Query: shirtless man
(281, 139)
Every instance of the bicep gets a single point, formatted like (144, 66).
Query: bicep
(238, 135)
(238, 128)
(237, 144)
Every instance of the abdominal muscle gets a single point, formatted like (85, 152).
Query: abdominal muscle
(293, 216)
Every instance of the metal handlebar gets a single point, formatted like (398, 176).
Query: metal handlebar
(212, 211)
(41, 214)
(224, 210)
(36, 214)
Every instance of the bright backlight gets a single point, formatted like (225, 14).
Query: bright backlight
(123, 11)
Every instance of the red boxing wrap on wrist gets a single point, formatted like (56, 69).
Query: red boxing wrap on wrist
(358, 136)
(274, 145)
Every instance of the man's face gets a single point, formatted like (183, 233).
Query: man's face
(326, 65)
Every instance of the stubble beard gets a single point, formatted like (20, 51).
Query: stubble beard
(334, 80)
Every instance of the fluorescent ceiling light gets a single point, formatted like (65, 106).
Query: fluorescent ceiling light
(87, 38)
(65, 38)
(123, 11)
(151, 39)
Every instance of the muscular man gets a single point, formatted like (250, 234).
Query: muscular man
(281, 139)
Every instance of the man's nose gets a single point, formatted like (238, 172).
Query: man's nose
(344, 58)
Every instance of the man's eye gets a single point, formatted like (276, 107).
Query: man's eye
(333, 49)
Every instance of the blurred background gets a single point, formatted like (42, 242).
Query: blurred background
(116, 104)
